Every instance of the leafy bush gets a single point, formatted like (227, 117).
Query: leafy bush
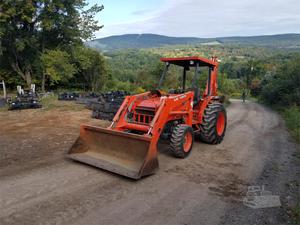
(296, 214)
(282, 88)
(92, 67)
(57, 65)
(229, 86)
(139, 90)
(123, 86)
(292, 118)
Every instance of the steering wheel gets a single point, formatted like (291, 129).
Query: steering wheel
(156, 92)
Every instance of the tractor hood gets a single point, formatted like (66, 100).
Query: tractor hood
(152, 103)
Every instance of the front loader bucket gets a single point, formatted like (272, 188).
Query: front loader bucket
(123, 153)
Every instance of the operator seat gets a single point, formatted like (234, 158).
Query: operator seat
(197, 96)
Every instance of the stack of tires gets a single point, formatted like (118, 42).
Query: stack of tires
(68, 96)
(88, 98)
(107, 105)
(26, 100)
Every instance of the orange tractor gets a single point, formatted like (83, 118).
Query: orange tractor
(129, 145)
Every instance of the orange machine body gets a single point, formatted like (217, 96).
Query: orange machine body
(151, 111)
(143, 118)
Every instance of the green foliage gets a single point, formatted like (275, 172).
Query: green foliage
(292, 118)
(296, 213)
(123, 86)
(131, 69)
(49, 102)
(88, 25)
(228, 86)
(125, 65)
(282, 87)
(92, 66)
(57, 65)
(29, 29)
(9, 78)
(255, 86)
(139, 90)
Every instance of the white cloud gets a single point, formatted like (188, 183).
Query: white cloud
(217, 18)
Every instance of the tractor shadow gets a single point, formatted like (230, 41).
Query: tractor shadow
(163, 147)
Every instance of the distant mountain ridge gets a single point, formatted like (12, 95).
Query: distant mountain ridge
(154, 40)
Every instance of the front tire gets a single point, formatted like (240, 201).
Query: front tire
(182, 139)
(214, 123)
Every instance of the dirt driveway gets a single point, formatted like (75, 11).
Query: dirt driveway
(38, 185)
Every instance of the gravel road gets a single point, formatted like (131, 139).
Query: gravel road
(38, 185)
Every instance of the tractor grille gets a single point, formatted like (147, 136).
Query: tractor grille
(143, 116)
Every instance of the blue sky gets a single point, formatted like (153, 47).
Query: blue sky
(199, 18)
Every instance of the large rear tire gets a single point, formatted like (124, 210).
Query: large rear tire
(214, 123)
(182, 139)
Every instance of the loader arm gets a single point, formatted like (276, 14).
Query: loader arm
(128, 147)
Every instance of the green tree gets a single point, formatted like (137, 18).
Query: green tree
(228, 86)
(282, 87)
(28, 28)
(92, 67)
(57, 65)
(18, 44)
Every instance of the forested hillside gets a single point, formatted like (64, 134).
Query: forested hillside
(153, 40)
(141, 41)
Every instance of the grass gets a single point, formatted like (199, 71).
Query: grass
(292, 118)
(296, 214)
(51, 102)
(4, 109)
